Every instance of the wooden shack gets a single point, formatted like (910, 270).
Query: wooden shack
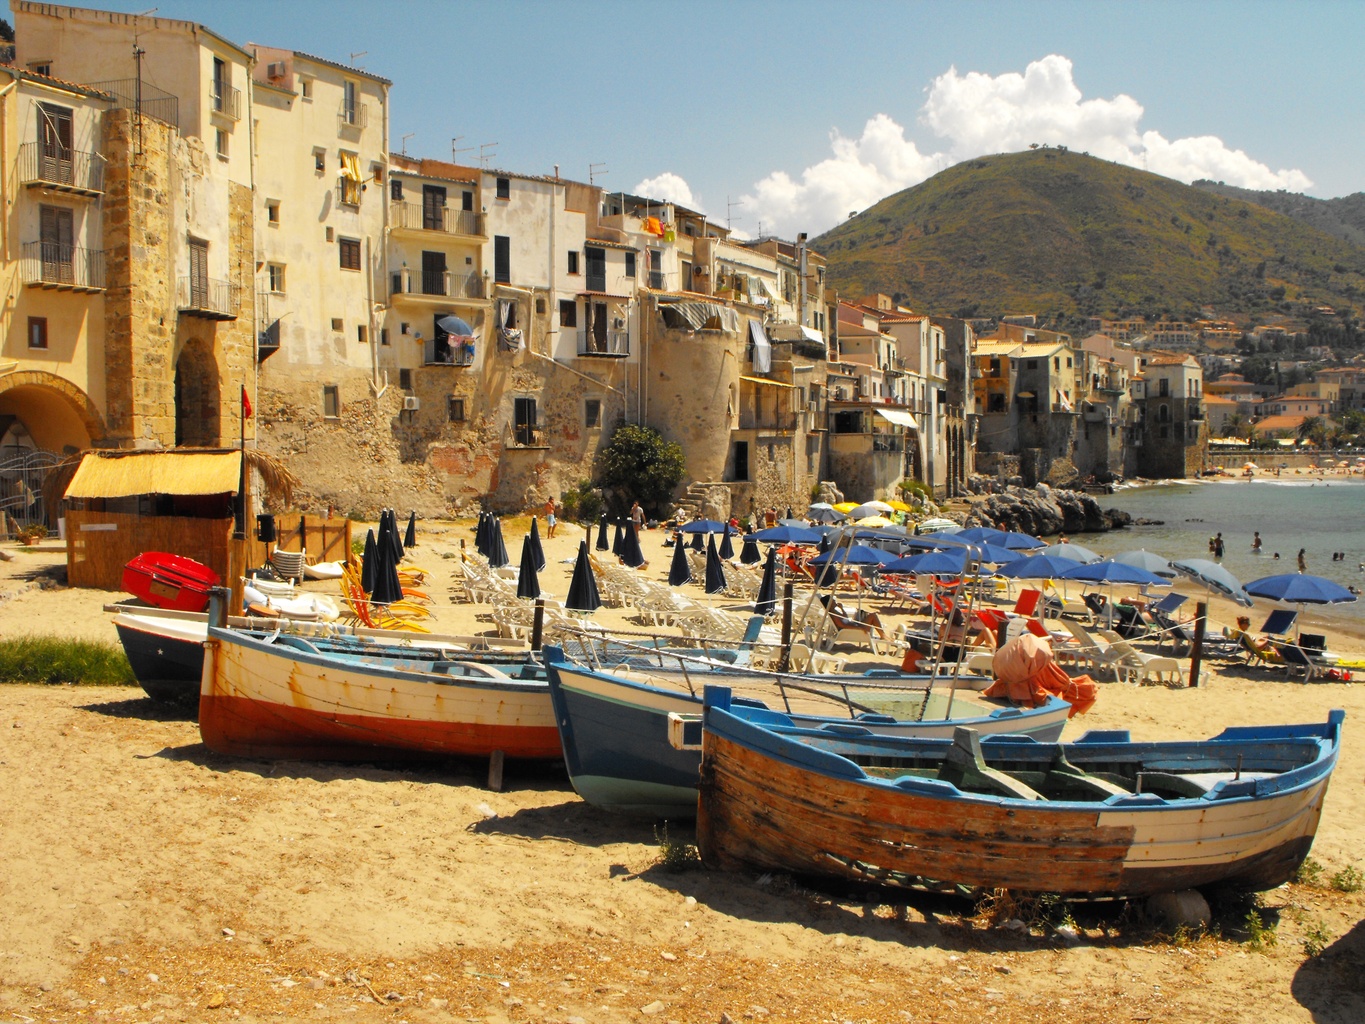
(184, 501)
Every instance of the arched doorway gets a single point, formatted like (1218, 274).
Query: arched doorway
(198, 396)
(43, 419)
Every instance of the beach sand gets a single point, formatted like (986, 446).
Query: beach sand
(147, 879)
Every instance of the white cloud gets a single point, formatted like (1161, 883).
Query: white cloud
(670, 187)
(975, 114)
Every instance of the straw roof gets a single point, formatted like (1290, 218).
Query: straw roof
(193, 474)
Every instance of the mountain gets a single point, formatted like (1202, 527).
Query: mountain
(1344, 217)
(1067, 235)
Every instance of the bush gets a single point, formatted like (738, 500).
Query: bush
(58, 659)
(31, 534)
(641, 465)
(582, 504)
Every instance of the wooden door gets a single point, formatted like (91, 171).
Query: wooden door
(54, 143)
(57, 232)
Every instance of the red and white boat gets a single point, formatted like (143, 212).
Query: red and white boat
(165, 580)
(280, 696)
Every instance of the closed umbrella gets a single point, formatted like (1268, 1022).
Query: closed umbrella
(679, 572)
(602, 544)
(715, 573)
(481, 534)
(387, 587)
(367, 563)
(616, 539)
(1213, 577)
(394, 538)
(1149, 560)
(538, 552)
(766, 601)
(583, 596)
(1075, 552)
(528, 585)
(748, 552)
(410, 538)
(497, 549)
(631, 554)
(727, 550)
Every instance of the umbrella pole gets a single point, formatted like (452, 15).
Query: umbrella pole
(961, 650)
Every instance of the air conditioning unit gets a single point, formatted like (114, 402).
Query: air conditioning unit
(275, 70)
(411, 403)
(619, 323)
(840, 394)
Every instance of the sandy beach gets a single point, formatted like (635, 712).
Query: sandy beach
(148, 879)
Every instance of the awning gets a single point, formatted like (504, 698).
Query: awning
(350, 167)
(699, 316)
(768, 381)
(121, 476)
(763, 349)
(898, 417)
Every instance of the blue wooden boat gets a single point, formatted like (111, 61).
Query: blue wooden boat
(613, 725)
(1099, 817)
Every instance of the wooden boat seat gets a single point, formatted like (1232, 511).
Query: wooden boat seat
(964, 767)
(1193, 784)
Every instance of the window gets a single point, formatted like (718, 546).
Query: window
(349, 107)
(433, 208)
(467, 201)
(504, 188)
(405, 379)
(540, 305)
(219, 84)
(350, 253)
(454, 409)
(524, 420)
(383, 335)
(337, 324)
(568, 313)
(42, 67)
(272, 211)
(320, 160)
(350, 183)
(331, 401)
(396, 189)
(502, 259)
(276, 274)
(306, 88)
(573, 262)
(331, 234)
(592, 412)
(630, 264)
(362, 333)
(37, 332)
(222, 143)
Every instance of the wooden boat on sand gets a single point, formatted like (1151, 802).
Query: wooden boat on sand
(1099, 817)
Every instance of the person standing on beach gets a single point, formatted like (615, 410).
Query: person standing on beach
(1218, 546)
(1303, 562)
(1256, 543)
(549, 518)
(637, 517)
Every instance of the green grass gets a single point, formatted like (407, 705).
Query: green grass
(53, 659)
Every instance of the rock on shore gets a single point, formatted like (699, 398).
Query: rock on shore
(1044, 511)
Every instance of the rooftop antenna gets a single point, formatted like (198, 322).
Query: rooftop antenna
(729, 206)
(594, 170)
(455, 150)
(405, 142)
(485, 156)
(149, 10)
(360, 53)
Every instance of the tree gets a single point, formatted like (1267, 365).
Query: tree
(640, 465)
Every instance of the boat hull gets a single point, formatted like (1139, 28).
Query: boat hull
(169, 581)
(260, 700)
(615, 738)
(167, 655)
(767, 804)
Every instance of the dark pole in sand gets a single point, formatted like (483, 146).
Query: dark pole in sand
(538, 624)
(1201, 611)
(784, 657)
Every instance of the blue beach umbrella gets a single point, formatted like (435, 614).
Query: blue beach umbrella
(748, 552)
(931, 563)
(1115, 572)
(679, 571)
(995, 554)
(1039, 567)
(1213, 576)
(410, 537)
(533, 538)
(528, 584)
(481, 534)
(857, 554)
(766, 601)
(703, 526)
(979, 534)
(715, 572)
(583, 595)
(497, 548)
(602, 544)
(367, 563)
(1300, 588)
(787, 535)
(727, 550)
(630, 548)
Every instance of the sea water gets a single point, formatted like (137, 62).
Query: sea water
(1320, 515)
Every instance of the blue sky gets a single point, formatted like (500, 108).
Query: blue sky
(801, 112)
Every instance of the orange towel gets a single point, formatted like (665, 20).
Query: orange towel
(1026, 673)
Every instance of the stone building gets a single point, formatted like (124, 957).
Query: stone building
(1172, 434)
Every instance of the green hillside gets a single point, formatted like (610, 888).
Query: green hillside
(1068, 235)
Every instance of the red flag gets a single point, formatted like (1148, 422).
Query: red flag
(246, 404)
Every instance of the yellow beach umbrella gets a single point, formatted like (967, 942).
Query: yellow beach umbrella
(846, 506)
(900, 506)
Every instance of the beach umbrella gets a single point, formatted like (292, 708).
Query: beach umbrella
(703, 526)
(844, 506)
(497, 549)
(977, 534)
(825, 515)
(715, 573)
(583, 596)
(766, 601)
(899, 506)
(932, 563)
(1017, 541)
(1111, 573)
(387, 587)
(1046, 566)
(528, 585)
(367, 563)
(481, 534)
(617, 539)
(786, 535)
(455, 326)
(869, 508)
(727, 550)
(1075, 552)
(630, 548)
(536, 549)
(855, 554)
(748, 552)
(395, 539)
(937, 524)
(410, 538)
(679, 572)
(1214, 577)
(1300, 588)
(995, 554)
(873, 520)
(602, 544)
(1152, 562)
(697, 543)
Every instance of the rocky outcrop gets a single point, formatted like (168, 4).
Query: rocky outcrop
(1044, 511)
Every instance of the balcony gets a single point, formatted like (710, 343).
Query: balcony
(1196, 413)
(437, 284)
(207, 299)
(888, 443)
(61, 170)
(524, 435)
(352, 116)
(68, 268)
(227, 101)
(780, 422)
(348, 192)
(606, 343)
(416, 217)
